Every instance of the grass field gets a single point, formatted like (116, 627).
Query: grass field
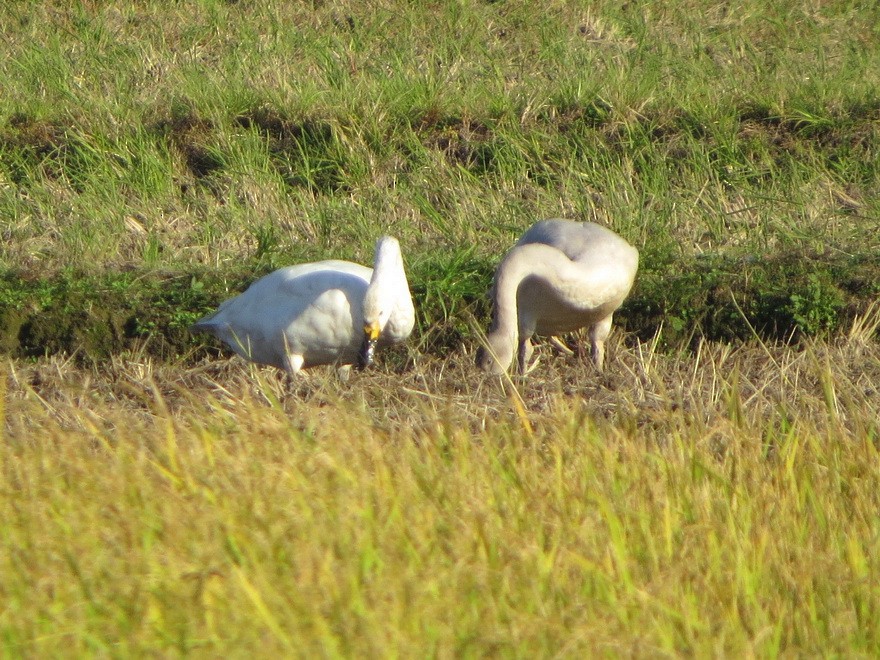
(713, 493)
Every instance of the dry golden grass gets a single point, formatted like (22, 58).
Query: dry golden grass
(723, 501)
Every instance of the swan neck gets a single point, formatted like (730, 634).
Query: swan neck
(511, 272)
(388, 266)
(387, 300)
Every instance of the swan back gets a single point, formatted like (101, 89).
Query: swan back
(584, 242)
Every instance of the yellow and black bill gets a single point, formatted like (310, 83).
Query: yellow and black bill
(368, 348)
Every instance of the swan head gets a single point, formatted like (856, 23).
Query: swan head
(495, 357)
(385, 288)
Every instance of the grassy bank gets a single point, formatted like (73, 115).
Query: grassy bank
(228, 138)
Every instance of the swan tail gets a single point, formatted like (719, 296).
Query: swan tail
(207, 324)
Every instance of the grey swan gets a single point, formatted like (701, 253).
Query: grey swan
(559, 277)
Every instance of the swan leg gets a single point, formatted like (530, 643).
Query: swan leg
(293, 363)
(525, 354)
(598, 334)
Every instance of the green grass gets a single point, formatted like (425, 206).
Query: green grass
(713, 493)
(171, 136)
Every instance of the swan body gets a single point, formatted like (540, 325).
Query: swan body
(559, 277)
(318, 313)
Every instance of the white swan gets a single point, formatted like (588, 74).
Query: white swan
(319, 313)
(559, 277)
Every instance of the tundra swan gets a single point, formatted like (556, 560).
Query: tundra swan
(319, 313)
(560, 276)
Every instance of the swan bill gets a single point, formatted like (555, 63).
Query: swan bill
(365, 355)
(368, 348)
